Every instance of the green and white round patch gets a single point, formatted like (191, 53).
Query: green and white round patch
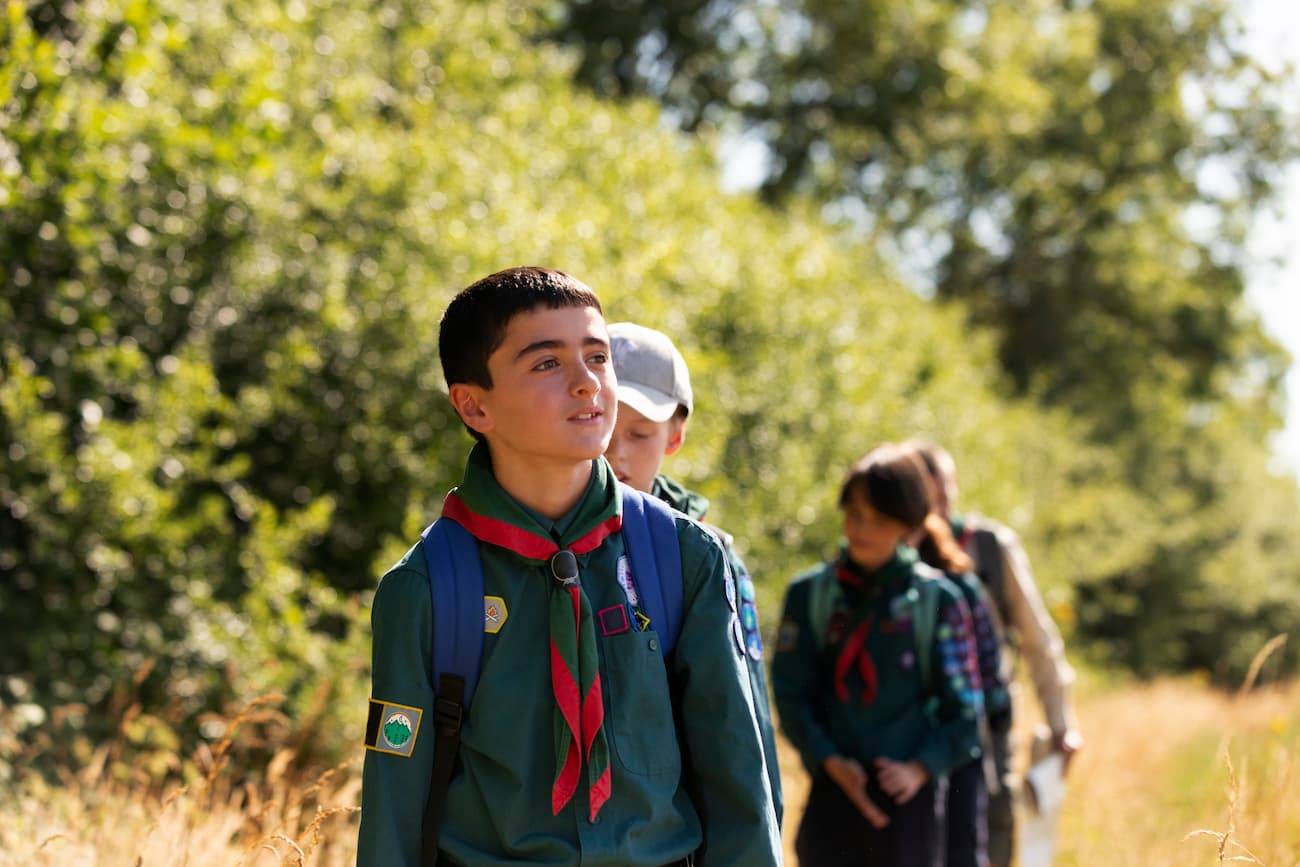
(398, 729)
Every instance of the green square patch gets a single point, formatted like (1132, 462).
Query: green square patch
(391, 728)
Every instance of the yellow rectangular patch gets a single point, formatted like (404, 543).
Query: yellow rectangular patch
(392, 728)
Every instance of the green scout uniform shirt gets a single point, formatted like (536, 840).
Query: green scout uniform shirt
(696, 506)
(895, 724)
(663, 806)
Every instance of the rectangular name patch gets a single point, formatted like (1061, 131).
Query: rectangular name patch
(613, 620)
(391, 728)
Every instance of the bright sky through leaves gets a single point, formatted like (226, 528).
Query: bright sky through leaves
(1273, 32)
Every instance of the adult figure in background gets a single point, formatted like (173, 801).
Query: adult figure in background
(1027, 631)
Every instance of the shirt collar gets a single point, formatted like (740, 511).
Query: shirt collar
(892, 576)
(491, 515)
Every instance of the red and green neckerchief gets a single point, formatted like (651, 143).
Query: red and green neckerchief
(491, 515)
(854, 652)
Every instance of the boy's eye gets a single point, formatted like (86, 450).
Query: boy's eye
(546, 364)
(598, 358)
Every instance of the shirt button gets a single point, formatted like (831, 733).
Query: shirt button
(654, 645)
(594, 821)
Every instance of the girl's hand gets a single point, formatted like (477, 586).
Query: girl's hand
(851, 777)
(901, 780)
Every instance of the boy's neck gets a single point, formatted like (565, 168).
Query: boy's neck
(550, 490)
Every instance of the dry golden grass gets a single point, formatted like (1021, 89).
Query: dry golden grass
(1177, 775)
(101, 816)
(1173, 774)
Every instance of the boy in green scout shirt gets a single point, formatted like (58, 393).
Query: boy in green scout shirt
(655, 402)
(583, 744)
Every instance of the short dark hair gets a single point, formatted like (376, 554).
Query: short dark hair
(893, 479)
(474, 324)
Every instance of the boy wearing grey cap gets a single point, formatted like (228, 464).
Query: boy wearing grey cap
(654, 404)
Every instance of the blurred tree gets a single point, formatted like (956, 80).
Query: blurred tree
(1078, 177)
(1081, 174)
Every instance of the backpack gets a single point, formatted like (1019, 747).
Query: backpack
(650, 537)
(825, 592)
(982, 543)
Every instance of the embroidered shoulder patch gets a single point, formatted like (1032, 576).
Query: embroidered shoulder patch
(494, 614)
(392, 728)
(729, 588)
(738, 632)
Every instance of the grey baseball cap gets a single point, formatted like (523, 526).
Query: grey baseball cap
(652, 375)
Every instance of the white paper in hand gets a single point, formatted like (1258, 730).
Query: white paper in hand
(1044, 792)
(1045, 781)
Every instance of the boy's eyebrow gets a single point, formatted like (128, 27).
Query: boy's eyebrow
(552, 343)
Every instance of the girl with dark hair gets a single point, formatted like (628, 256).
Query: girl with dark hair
(874, 677)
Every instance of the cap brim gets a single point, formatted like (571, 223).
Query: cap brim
(650, 402)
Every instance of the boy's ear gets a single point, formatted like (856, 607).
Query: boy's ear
(678, 437)
(467, 400)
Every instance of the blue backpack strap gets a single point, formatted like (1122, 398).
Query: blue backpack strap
(655, 555)
(456, 585)
(457, 602)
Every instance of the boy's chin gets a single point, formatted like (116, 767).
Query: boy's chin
(585, 451)
(599, 447)
(595, 453)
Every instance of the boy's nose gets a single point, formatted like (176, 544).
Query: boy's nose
(586, 381)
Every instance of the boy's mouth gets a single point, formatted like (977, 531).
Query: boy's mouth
(588, 415)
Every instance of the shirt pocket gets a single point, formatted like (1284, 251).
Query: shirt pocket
(640, 726)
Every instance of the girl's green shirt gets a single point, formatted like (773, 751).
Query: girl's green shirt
(908, 718)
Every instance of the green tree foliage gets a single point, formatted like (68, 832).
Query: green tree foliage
(227, 231)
